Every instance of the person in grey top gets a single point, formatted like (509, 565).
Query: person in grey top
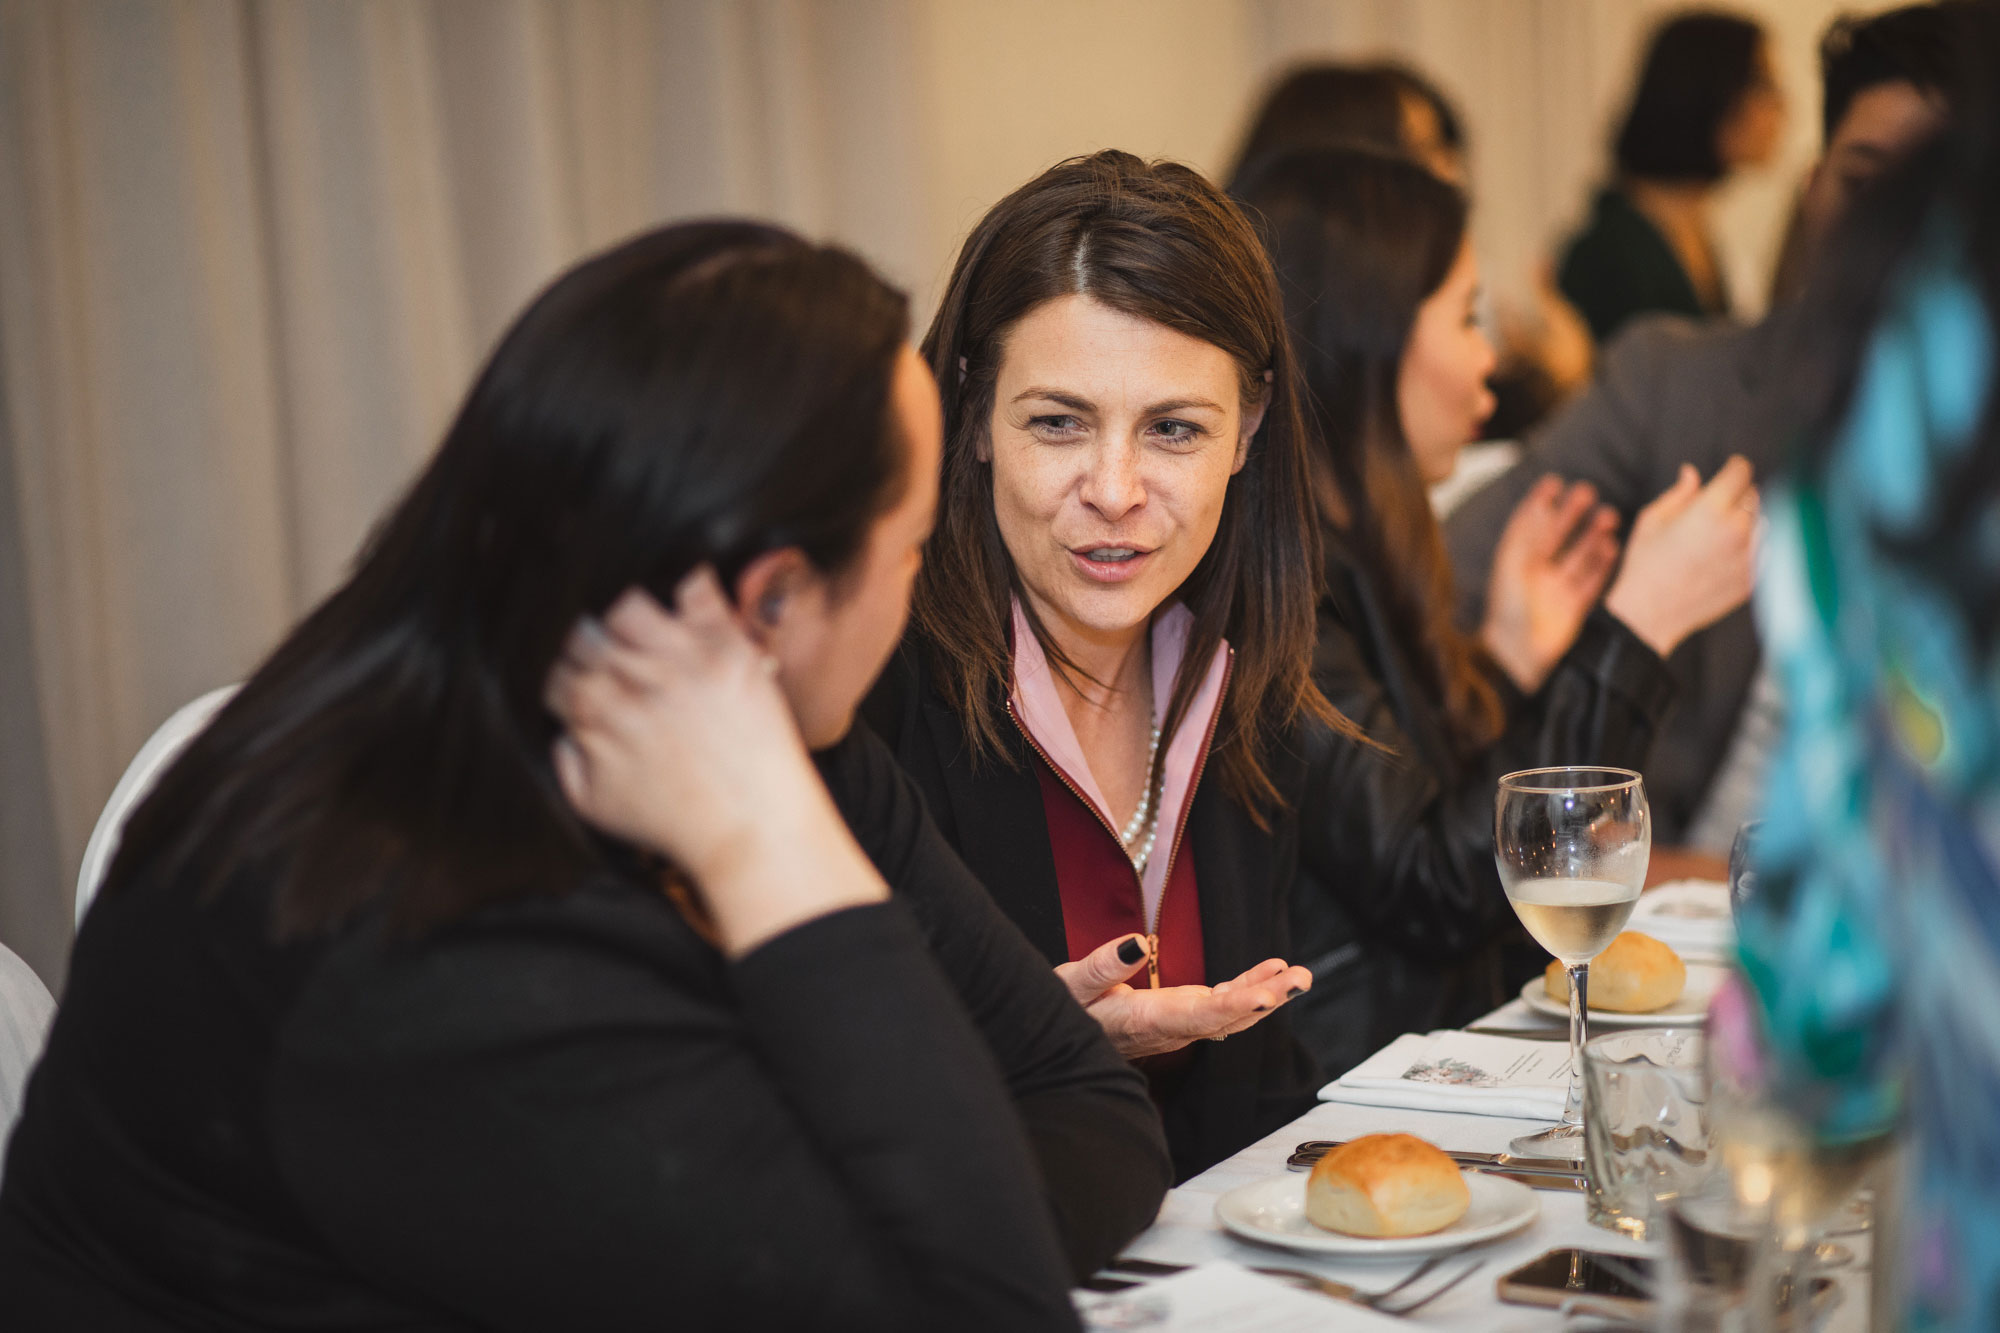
(1670, 392)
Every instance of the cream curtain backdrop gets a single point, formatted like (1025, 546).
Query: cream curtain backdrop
(251, 251)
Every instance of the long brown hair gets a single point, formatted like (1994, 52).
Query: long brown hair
(1361, 239)
(1156, 241)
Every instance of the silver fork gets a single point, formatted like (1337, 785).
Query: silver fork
(1388, 1301)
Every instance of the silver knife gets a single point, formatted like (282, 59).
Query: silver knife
(1571, 1184)
(1523, 1034)
(1312, 1150)
(1568, 1177)
(1297, 1277)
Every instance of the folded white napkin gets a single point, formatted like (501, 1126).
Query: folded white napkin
(1690, 916)
(1465, 1072)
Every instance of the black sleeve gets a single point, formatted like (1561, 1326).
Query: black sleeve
(1089, 1119)
(579, 1117)
(1418, 847)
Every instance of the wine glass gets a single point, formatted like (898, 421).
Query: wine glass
(1571, 845)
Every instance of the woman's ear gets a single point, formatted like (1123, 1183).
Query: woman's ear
(767, 587)
(1253, 421)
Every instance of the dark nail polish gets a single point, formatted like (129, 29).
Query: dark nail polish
(1295, 992)
(1131, 951)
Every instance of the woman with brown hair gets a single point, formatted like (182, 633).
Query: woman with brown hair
(1106, 695)
(1380, 284)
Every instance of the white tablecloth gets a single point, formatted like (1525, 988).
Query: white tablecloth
(1186, 1231)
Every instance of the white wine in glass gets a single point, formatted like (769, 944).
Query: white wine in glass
(1571, 845)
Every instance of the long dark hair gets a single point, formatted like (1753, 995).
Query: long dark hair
(1157, 241)
(706, 392)
(1697, 69)
(1361, 239)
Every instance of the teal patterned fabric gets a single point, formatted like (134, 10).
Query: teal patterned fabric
(1874, 941)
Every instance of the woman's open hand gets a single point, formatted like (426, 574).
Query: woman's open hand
(1552, 561)
(1691, 558)
(678, 739)
(1145, 1021)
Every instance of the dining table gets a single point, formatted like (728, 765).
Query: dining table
(1187, 1232)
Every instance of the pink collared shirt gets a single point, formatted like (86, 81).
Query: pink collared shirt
(1038, 705)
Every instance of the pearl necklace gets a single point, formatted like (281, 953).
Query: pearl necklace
(1144, 826)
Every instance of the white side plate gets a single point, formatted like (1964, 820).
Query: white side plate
(1704, 979)
(1273, 1211)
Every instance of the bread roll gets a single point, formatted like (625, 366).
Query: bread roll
(1386, 1185)
(1636, 975)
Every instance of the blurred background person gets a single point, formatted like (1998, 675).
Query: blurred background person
(1380, 285)
(1392, 107)
(1669, 392)
(1384, 105)
(1707, 105)
(1872, 939)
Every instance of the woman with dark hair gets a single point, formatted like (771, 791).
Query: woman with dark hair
(1707, 105)
(1106, 696)
(1392, 108)
(1380, 284)
(1385, 106)
(405, 1003)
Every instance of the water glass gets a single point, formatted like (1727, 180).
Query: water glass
(1743, 868)
(1713, 1242)
(1645, 1125)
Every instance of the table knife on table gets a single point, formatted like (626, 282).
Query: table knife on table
(1549, 1173)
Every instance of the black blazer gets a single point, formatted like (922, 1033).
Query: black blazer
(1238, 1090)
(569, 1112)
(1414, 820)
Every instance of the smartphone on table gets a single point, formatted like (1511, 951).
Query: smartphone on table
(1620, 1284)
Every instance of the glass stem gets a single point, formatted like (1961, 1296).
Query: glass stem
(1579, 983)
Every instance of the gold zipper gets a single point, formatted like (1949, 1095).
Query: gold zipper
(1180, 825)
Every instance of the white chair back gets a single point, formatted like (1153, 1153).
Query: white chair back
(160, 749)
(26, 1009)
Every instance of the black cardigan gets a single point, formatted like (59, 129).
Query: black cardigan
(571, 1113)
(1233, 1092)
(1415, 819)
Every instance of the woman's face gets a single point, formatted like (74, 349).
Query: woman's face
(1112, 443)
(1441, 390)
(1749, 134)
(832, 634)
